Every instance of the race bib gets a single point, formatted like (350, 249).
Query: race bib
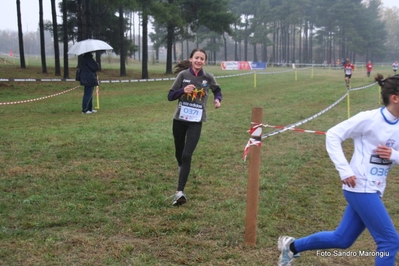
(190, 114)
(378, 168)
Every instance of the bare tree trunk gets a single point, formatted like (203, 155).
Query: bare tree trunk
(225, 47)
(239, 50)
(20, 37)
(330, 47)
(264, 51)
(182, 50)
(42, 44)
(255, 59)
(305, 43)
(65, 37)
(169, 45)
(169, 48)
(235, 45)
(79, 21)
(187, 44)
(122, 43)
(278, 43)
(293, 44)
(311, 43)
(246, 41)
(139, 39)
(144, 63)
(55, 33)
(96, 30)
(174, 52)
(274, 42)
(300, 56)
(214, 52)
(86, 20)
(80, 27)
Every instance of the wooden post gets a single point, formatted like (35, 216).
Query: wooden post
(253, 180)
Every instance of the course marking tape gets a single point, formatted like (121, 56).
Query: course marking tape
(280, 129)
(292, 126)
(299, 130)
(37, 99)
(134, 80)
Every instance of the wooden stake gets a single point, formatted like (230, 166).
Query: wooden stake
(253, 181)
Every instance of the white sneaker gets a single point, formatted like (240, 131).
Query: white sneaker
(87, 112)
(179, 199)
(287, 256)
(94, 111)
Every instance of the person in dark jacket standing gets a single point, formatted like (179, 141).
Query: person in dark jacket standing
(191, 89)
(88, 78)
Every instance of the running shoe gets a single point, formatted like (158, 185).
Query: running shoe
(287, 256)
(179, 199)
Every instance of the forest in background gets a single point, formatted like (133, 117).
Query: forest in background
(305, 31)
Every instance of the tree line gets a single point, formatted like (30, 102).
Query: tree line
(305, 31)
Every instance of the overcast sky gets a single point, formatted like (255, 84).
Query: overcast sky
(30, 13)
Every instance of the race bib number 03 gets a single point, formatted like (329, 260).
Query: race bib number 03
(190, 114)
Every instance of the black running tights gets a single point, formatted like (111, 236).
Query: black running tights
(186, 136)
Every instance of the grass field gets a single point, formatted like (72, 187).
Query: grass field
(96, 189)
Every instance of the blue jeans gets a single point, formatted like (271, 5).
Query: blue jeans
(364, 210)
(87, 102)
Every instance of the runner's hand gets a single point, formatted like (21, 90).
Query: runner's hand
(350, 181)
(217, 103)
(384, 152)
(189, 89)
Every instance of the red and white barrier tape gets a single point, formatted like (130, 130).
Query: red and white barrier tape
(254, 142)
(280, 129)
(254, 131)
(298, 129)
(37, 99)
(251, 142)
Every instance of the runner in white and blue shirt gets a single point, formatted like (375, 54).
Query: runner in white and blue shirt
(366, 131)
(375, 135)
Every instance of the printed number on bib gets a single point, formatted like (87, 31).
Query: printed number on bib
(190, 114)
(378, 168)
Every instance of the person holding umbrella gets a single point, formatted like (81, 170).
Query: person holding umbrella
(88, 69)
(88, 79)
